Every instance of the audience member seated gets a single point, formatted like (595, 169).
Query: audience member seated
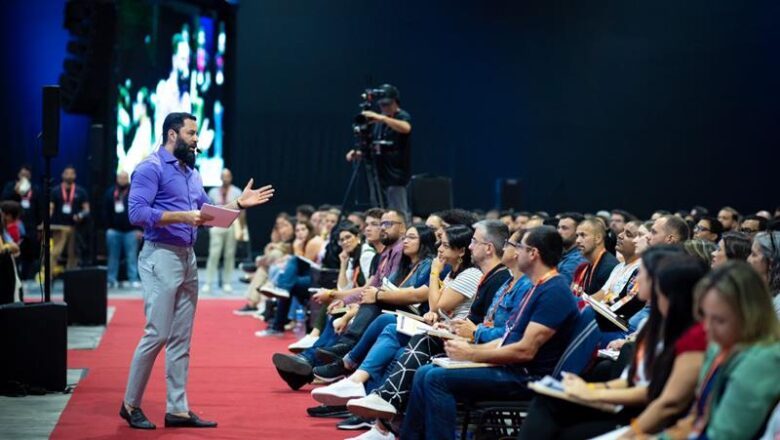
(592, 274)
(738, 386)
(708, 228)
(729, 218)
(733, 246)
(753, 224)
(765, 259)
(671, 344)
(668, 229)
(572, 255)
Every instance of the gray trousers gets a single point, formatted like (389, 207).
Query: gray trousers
(169, 275)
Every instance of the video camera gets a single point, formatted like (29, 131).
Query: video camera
(371, 98)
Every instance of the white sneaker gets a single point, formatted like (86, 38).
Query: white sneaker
(339, 393)
(374, 434)
(205, 289)
(274, 292)
(135, 284)
(304, 343)
(371, 407)
(227, 288)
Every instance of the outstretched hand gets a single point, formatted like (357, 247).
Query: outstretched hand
(253, 197)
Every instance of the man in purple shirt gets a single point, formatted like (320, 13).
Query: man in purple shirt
(166, 195)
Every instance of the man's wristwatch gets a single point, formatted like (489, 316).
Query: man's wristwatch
(239, 205)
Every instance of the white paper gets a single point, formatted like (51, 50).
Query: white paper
(223, 218)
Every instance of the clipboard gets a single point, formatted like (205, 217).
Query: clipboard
(223, 217)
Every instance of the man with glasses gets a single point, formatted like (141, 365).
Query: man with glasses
(391, 147)
(752, 225)
(708, 228)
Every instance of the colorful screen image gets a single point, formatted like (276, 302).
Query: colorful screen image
(171, 58)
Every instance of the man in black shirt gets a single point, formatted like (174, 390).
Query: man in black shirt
(69, 208)
(121, 235)
(591, 275)
(391, 148)
(28, 194)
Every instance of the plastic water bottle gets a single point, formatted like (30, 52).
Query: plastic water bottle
(300, 323)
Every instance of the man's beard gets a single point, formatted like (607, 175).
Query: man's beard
(182, 152)
(387, 240)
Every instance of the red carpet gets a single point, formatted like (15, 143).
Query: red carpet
(231, 381)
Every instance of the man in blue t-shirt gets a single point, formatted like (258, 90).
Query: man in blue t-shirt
(535, 337)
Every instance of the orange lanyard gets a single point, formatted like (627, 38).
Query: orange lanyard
(68, 200)
(589, 272)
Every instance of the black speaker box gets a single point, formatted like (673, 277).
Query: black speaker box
(429, 194)
(35, 345)
(509, 193)
(86, 294)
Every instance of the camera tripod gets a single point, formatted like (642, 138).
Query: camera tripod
(367, 164)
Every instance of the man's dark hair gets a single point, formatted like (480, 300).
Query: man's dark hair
(458, 216)
(627, 216)
(24, 166)
(576, 216)
(761, 221)
(523, 214)
(548, 242)
(400, 215)
(678, 226)
(734, 213)
(175, 121)
(737, 245)
(11, 208)
(306, 210)
(69, 166)
(324, 207)
(375, 212)
(716, 227)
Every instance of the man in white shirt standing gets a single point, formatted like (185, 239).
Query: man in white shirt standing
(222, 241)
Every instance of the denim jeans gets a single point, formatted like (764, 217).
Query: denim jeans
(118, 242)
(369, 337)
(327, 338)
(388, 347)
(431, 411)
(298, 286)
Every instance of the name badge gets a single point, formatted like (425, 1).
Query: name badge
(66, 208)
(26, 203)
(119, 207)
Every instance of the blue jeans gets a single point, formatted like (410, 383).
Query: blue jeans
(369, 337)
(298, 285)
(116, 243)
(327, 338)
(388, 347)
(431, 411)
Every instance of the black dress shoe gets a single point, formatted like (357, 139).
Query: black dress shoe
(332, 353)
(135, 418)
(336, 412)
(293, 369)
(193, 421)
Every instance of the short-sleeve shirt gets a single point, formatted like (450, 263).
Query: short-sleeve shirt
(553, 306)
(465, 283)
(58, 217)
(394, 161)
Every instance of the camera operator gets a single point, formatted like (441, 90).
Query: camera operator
(389, 147)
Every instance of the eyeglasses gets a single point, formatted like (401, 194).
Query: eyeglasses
(748, 230)
(698, 228)
(475, 241)
(525, 247)
(509, 242)
(388, 224)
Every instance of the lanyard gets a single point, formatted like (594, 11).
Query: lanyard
(68, 200)
(704, 400)
(117, 197)
(546, 277)
(411, 272)
(505, 289)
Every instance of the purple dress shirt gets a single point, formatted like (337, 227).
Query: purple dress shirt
(160, 184)
(389, 263)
